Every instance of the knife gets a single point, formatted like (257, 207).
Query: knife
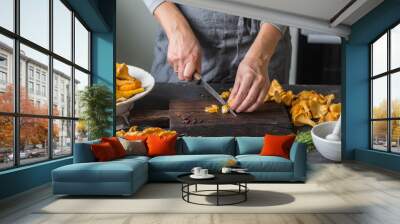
(212, 91)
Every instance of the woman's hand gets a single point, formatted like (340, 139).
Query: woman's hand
(184, 51)
(184, 54)
(251, 85)
(252, 79)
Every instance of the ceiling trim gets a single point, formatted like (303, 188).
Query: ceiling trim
(270, 15)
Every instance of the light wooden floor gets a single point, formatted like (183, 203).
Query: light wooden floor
(379, 189)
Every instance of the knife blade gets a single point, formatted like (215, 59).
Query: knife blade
(212, 91)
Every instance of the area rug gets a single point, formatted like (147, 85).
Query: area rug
(166, 198)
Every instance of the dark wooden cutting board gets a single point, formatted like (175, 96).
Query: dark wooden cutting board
(188, 117)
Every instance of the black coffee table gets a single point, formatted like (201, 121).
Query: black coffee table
(238, 179)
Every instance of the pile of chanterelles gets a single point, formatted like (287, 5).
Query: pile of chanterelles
(306, 107)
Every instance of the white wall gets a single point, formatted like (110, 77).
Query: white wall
(136, 29)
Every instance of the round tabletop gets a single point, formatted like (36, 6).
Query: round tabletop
(220, 178)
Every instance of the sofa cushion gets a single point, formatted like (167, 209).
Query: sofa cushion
(133, 158)
(185, 163)
(103, 151)
(208, 145)
(134, 147)
(257, 163)
(112, 171)
(161, 145)
(277, 145)
(116, 145)
(249, 145)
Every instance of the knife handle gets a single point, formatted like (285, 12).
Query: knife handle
(197, 77)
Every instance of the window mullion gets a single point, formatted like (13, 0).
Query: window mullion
(50, 81)
(73, 82)
(16, 69)
(389, 101)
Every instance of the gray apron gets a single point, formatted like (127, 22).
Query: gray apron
(224, 40)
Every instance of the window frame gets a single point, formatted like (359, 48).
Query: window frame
(16, 114)
(388, 74)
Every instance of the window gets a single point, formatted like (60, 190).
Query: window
(30, 87)
(44, 91)
(3, 72)
(30, 72)
(35, 21)
(3, 61)
(62, 74)
(43, 77)
(385, 94)
(38, 74)
(7, 14)
(3, 78)
(62, 30)
(49, 78)
(7, 88)
(81, 45)
(37, 89)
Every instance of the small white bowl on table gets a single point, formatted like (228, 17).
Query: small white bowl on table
(329, 149)
(123, 108)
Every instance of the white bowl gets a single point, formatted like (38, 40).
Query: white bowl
(329, 149)
(123, 108)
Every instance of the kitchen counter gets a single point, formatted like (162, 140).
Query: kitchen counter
(180, 106)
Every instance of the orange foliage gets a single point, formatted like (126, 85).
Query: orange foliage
(33, 130)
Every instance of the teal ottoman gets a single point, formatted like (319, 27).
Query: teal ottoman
(118, 177)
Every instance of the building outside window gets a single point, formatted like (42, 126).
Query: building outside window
(56, 125)
(385, 94)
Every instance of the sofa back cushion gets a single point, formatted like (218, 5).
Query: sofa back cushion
(277, 145)
(83, 152)
(208, 145)
(161, 145)
(116, 145)
(249, 145)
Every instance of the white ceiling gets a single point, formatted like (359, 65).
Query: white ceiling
(320, 9)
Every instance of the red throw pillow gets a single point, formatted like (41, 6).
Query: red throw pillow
(103, 152)
(116, 145)
(277, 145)
(161, 145)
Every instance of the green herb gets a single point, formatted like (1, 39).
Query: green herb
(305, 138)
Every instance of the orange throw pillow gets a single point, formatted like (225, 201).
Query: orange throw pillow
(277, 145)
(103, 152)
(161, 145)
(135, 138)
(116, 145)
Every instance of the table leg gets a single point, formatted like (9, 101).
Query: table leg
(217, 194)
(245, 193)
(188, 190)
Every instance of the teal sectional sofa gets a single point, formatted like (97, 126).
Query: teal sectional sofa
(125, 176)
